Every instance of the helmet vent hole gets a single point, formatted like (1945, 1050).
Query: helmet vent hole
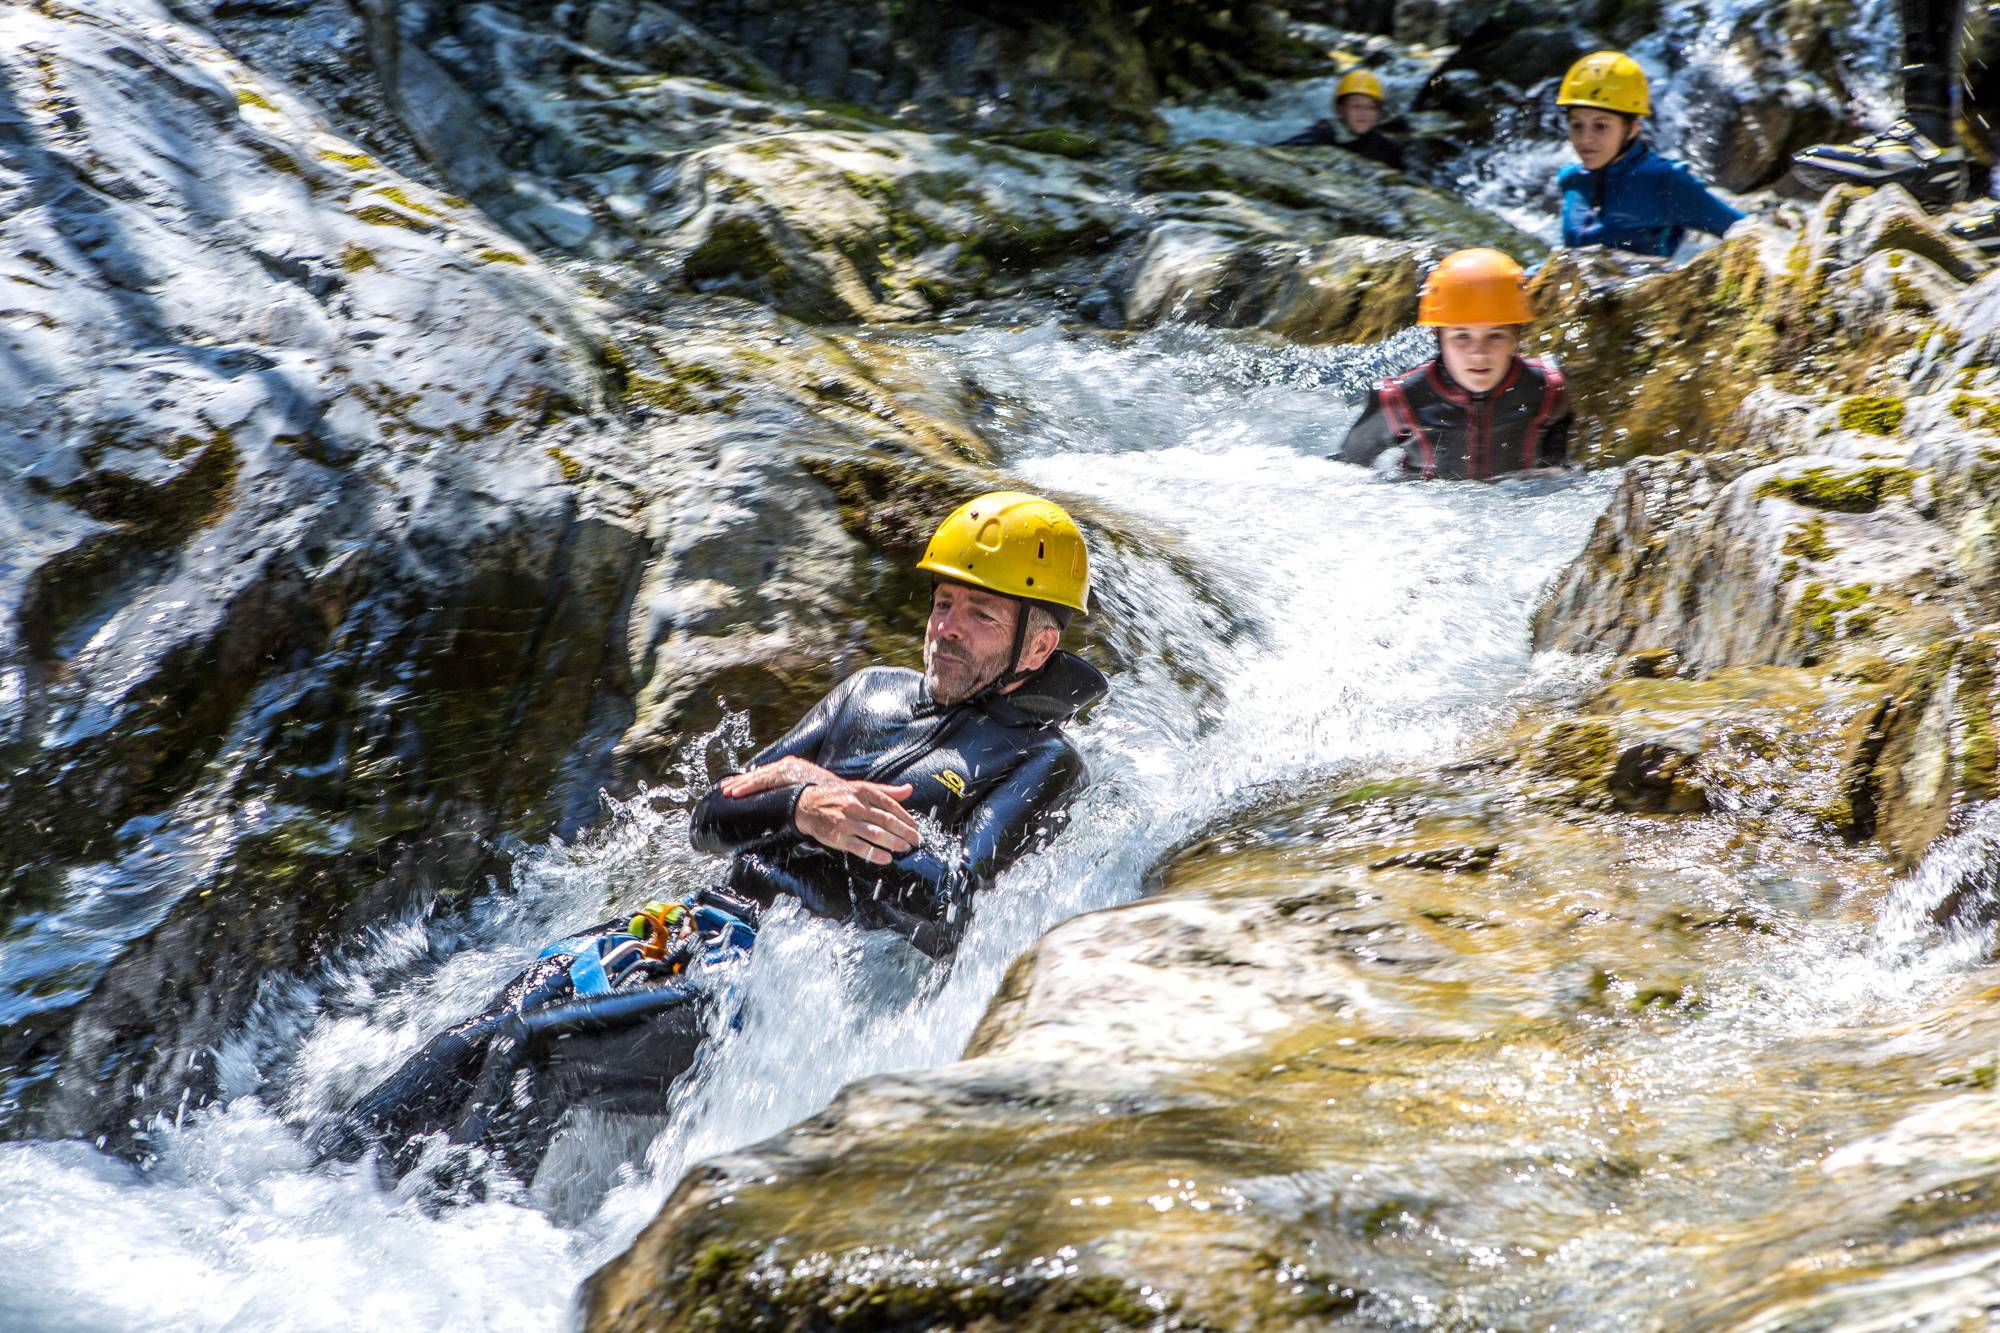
(1031, 582)
(1041, 550)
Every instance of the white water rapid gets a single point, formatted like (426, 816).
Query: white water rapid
(1342, 622)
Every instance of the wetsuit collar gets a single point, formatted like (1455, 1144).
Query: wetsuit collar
(1629, 157)
(1064, 686)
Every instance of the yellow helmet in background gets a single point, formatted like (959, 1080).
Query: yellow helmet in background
(1609, 81)
(1016, 544)
(1357, 81)
(1474, 287)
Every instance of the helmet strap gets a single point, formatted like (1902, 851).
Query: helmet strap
(1013, 675)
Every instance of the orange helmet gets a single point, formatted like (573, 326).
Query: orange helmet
(1474, 287)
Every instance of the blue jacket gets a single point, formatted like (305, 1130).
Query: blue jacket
(1641, 202)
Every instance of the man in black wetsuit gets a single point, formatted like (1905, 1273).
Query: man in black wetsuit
(892, 803)
(1357, 106)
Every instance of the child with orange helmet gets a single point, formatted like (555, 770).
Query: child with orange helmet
(1479, 408)
(1357, 106)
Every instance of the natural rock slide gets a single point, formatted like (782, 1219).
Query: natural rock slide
(422, 418)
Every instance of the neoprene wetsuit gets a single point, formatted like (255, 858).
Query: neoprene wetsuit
(587, 1026)
(1639, 201)
(994, 777)
(1374, 145)
(1448, 431)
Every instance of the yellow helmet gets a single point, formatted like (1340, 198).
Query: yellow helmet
(1608, 80)
(1471, 287)
(1016, 544)
(1357, 81)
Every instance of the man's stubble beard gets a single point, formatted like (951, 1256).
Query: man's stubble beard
(973, 676)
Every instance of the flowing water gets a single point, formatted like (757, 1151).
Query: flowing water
(1334, 622)
(1278, 620)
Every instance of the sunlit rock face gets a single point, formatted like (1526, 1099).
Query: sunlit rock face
(291, 550)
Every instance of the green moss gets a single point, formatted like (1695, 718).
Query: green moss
(736, 247)
(1057, 143)
(250, 97)
(1983, 1077)
(400, 197)
(1824, 615)
(1580, 751)
(491, 256)
(352, 161)
(1846, 490)
(572, 471)
(354, 259)
(278, 160)
(680, 389)
(377, 216)
(1979, 753)
(717, 1264)
(1976, 410)
(1808, 541)
(1872, 414)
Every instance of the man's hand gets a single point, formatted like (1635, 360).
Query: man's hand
(864, 819)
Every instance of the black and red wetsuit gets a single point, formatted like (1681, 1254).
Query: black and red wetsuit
(1448, 431)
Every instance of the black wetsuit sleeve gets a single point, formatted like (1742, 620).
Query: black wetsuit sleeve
(1553, 450)
(1383, 149)
(926, 896)
(723, 824)
(1370, 434)
(1316, 135)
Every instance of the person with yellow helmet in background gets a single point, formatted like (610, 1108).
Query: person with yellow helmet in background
(1479, 409)
(892, 803)
(1622, 194)
(1357, 110)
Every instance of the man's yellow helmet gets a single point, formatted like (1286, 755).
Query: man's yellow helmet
(1357, 81)
(1609, 81)
(1015, 544)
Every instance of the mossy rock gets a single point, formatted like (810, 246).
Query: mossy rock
(1840, 488)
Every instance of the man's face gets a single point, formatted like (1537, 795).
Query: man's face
(966, 640)
(1599, 136)
(1359, 112)
(1477, 355)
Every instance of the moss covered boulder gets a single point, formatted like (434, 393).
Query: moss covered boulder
(1851, 301)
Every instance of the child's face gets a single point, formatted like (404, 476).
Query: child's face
(1477, 355)
(1359, 112)
(1599, 136)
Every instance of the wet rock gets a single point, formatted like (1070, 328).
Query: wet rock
(1247, 1165)
(882, 226)
(1795, 562)
(1452, 860)
(1650, 664)
(1657, 777)
(1306, 245)
(352, 544)
(1925, 756)
(1665, 359)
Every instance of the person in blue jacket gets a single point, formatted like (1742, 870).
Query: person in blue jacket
(1622, 194)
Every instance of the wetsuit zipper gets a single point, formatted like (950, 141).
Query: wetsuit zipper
(1480, 430)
